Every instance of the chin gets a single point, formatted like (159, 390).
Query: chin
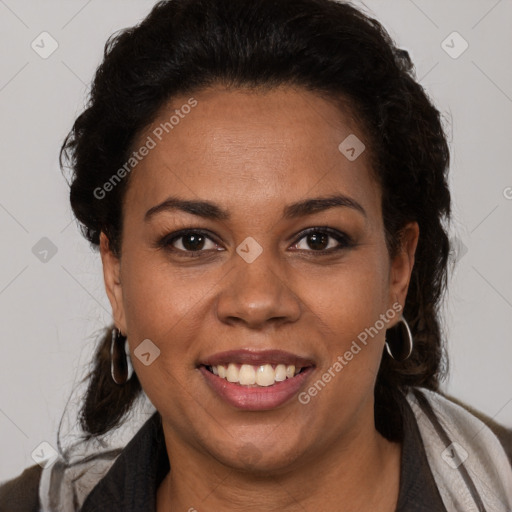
(257, 459)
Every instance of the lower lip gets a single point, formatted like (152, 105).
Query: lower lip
(256, 398)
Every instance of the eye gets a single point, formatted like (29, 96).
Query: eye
(188, 241)
(323, 240)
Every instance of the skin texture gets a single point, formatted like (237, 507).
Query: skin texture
(252, 153)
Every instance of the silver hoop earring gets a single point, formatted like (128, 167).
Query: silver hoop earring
(399, 345)
(121, 368)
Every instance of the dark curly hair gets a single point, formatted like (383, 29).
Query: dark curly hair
(324, 46)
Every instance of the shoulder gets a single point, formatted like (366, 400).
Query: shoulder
(466, 451)
(21, 493)
(503, 433)
(452, 410)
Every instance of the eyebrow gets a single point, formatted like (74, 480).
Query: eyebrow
(209, 210)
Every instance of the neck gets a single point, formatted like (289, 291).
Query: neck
(354, 476)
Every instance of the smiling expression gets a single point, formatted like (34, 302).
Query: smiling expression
(246, 230)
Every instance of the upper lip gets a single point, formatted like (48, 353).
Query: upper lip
(257, 357)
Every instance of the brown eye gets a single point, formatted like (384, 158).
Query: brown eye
(193, 242)
(318, 241)
(323, 240)
(188, 242)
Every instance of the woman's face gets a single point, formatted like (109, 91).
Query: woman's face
(249, 279)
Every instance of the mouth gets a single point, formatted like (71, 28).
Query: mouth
(256, 380)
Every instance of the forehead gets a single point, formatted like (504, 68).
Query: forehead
(252, 145)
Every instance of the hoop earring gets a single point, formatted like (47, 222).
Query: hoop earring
(400, 347)
(121, 368)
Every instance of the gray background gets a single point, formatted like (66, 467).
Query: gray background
(52, 311)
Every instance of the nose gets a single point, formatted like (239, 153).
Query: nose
(257, 294)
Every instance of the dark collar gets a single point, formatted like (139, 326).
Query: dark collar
(132, 482)
(418, 489)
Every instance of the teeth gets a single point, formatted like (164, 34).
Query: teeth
(280, 372)
(232, 373)
(249, 375)
(265, 376)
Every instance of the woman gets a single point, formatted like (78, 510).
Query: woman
(267, 185)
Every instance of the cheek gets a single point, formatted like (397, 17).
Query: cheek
(348, 304)
(160, 304)
(170, 306)
(157, 296)
(352, 295)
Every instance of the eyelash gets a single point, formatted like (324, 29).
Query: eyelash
(166, 242)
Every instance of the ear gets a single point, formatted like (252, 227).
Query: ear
(113, 287)
(403, 263)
